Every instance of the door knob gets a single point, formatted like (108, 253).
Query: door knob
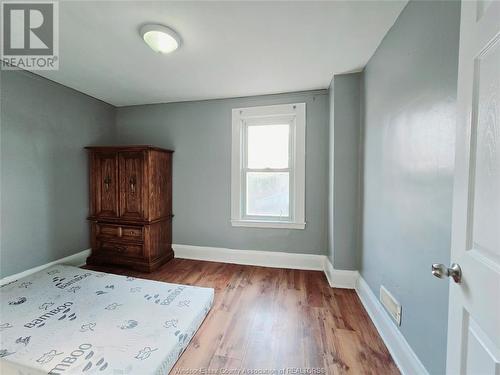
(440, 270)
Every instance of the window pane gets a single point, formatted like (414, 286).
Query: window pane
(268, 146)
(268, 194)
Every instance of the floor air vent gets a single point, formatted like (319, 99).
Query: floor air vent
(391, 305)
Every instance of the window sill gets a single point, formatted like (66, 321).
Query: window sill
(268, 224)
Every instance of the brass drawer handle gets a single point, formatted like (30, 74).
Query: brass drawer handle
(112, 247)
(120, 249)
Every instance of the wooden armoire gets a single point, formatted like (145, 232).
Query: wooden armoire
(130, 206)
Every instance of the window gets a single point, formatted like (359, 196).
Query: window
(268, 166)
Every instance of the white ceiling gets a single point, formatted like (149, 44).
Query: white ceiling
(229, 49)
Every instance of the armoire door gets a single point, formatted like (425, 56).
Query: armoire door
(105, 184)
(132, 185)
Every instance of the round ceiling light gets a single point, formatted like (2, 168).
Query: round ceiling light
(160, 38)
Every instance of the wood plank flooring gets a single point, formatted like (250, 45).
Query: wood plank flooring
(271, 319)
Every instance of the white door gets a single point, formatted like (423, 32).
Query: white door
(474, 310)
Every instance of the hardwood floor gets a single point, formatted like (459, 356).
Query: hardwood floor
(269, 318)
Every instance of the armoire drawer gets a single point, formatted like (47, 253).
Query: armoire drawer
(125, 249)
(119, 232)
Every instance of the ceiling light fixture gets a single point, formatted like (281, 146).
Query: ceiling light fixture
(160, 38)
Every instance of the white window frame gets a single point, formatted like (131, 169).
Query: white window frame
(293, 114)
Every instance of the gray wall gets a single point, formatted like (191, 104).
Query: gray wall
(200, 134)
(44, 188)
(409, 111)
(345, 148)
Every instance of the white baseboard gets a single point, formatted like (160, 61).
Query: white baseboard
(77, 259)
(336, 278)
(340, 278)
(404, 356)
(251, 257)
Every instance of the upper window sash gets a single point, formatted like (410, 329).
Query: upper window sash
(263, 122)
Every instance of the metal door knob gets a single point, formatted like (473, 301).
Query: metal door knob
(440, 270)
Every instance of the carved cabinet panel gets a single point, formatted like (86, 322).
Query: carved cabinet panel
(131, 166)
(104, 177)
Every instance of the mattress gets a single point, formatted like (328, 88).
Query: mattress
(67, 320)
